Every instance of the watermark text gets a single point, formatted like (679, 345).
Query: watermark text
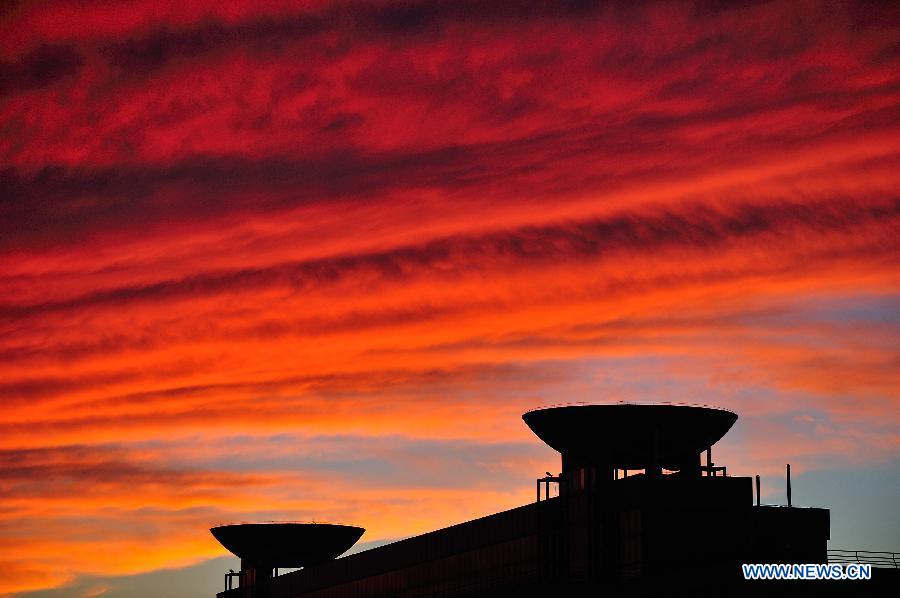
(804, 571)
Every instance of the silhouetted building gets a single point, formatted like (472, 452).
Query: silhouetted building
(638, 511)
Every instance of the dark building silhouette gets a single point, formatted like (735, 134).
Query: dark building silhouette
(639, 509)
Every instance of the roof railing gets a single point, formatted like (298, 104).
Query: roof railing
(640, 403)
(276, 521)
(864, 557)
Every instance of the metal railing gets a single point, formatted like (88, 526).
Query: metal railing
(870, 557)
(639, 403)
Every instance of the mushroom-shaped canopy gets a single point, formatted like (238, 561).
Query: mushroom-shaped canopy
(629, 436)
(287, 544)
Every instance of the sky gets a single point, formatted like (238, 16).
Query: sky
(312, 260)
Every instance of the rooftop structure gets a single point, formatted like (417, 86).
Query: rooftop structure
(265, 547)
(627, 436)
(637, 511)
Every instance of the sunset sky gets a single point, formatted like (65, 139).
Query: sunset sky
(311, 261)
